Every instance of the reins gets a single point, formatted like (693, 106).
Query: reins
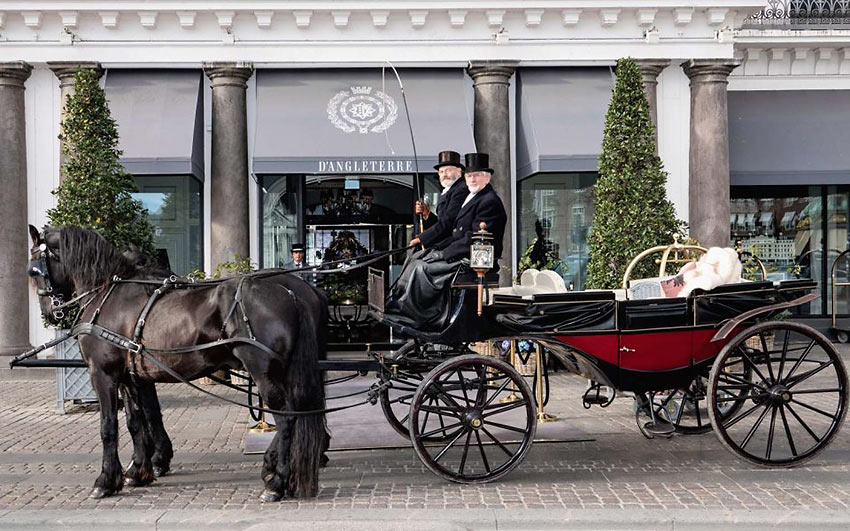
(270, 272)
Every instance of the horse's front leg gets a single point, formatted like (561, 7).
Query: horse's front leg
(140, 471)
(162, 449)
(111, 479)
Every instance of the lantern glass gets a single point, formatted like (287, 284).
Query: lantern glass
(481, 256)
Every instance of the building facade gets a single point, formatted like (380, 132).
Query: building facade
(252, 125)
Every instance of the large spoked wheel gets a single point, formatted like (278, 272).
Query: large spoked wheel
(790, 402)
(489, 404)
(415, 362)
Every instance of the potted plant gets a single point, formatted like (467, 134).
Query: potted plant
(632, 210)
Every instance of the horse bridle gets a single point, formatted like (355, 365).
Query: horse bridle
(39, 268)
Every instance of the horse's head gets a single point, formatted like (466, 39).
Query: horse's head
(52, 281)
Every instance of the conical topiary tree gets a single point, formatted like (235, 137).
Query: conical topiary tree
(95, 191)
(632, 211)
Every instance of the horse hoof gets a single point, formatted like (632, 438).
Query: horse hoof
(130, 482)
(159, 471)
(270, 496)
(98, 493)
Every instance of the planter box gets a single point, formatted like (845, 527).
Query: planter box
(71, 384)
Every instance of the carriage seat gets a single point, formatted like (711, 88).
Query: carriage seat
(717, 267)
(533, 282)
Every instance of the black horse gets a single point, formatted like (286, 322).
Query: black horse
(74, 260)
(316, 303)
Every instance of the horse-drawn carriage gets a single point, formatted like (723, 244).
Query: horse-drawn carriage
(775, 392)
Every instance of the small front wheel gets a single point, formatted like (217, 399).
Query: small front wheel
(789, 390)
(483, 411)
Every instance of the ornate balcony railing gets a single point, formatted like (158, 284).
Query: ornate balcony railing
(801, 14)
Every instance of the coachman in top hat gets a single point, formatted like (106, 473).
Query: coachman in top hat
(449, 170)
(420, 297)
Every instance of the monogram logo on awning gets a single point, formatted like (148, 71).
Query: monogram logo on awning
(363, 110)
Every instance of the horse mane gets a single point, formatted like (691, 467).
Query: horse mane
(90, 259)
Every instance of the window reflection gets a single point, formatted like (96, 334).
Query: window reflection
(798, 232)
(556, 212)
(174, 209)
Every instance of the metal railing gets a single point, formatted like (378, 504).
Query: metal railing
(801, 14)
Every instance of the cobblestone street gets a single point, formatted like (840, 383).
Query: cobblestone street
(49, 463)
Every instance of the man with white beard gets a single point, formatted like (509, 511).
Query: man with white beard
(439, 226)
(420, 297)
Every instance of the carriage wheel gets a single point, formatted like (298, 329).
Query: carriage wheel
(396, 400)
(687, 409)
(789, 405)
(489, 404)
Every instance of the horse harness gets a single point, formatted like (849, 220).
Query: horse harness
(135, 347)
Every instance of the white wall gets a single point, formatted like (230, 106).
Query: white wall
(42, 115)
(674, 126)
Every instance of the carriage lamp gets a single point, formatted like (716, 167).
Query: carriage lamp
(481, 259)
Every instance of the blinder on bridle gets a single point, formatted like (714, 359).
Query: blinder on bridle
(38, 268)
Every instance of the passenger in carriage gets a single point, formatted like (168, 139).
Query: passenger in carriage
(420, 298)
(438, 226)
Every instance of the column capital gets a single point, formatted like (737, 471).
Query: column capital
(66, 71)
(14, 74)
(710, 70)
(487, 72)
(229, 74)
(651, 68)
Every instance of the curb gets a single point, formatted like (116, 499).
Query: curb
(274, 517)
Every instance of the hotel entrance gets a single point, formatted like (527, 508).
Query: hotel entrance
(342, 218)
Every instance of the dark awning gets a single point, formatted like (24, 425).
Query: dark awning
(561, 115)
(353, 120)
(789, 137)
(160, 120)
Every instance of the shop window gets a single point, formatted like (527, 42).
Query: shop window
(797, 232)
(174, 208)
(279, 223)
(560, 205)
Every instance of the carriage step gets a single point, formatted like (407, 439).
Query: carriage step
(659, 428)
(597, 400)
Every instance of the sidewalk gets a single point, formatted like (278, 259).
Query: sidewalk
(612, 478)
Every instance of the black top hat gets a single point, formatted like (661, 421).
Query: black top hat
(297, 248)
(478, 162)
(448, 158)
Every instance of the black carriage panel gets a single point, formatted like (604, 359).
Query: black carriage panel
(556, 312)
(729, 301)
(793, 289)
(653, 314)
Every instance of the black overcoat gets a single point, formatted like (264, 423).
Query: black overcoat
(448, 207)
(484, 206)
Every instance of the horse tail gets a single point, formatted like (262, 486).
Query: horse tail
(306, 392)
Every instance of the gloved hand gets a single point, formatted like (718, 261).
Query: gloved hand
(433, 256)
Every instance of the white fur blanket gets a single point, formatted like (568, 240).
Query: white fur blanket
(716, 267)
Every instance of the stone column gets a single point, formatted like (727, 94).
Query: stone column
(649, 69)
(229, 172)
(708, 186)
(14, 238)
(65, 72)
(492, 131)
